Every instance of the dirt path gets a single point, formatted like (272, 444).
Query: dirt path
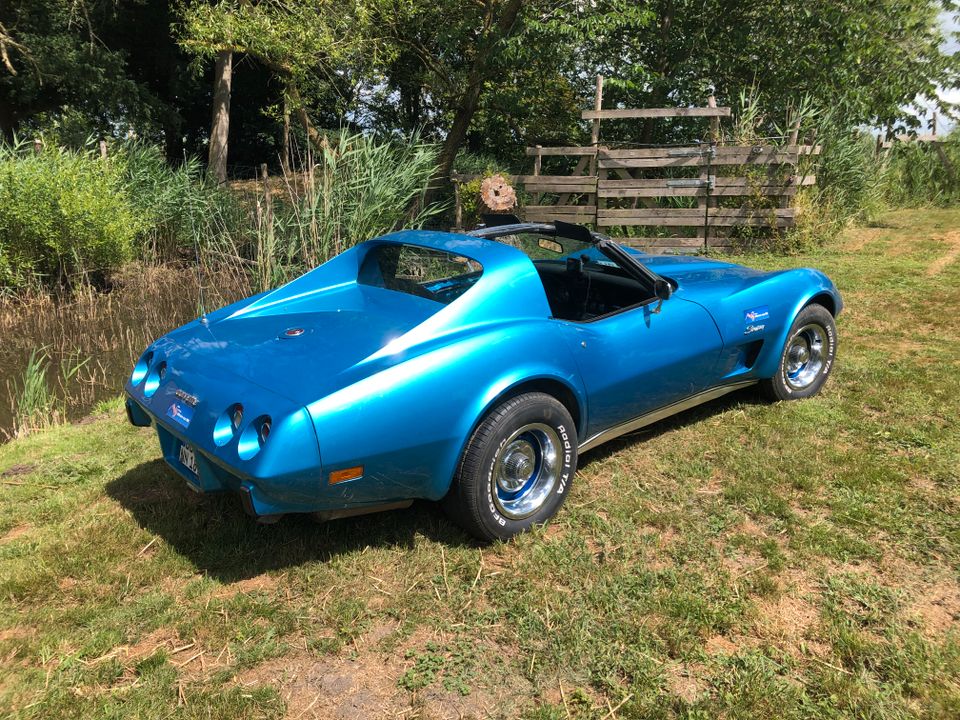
(952, 239)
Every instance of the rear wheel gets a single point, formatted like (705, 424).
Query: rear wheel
(807, 356)
(516, 469)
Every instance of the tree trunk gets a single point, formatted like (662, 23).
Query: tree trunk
(315, 138)
(476, 77)
(461, 124)
(220, 126)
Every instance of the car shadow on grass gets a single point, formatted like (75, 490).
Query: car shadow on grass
(214, 533)
(222, 541)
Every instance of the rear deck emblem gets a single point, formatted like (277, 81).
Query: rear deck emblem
(180, 413)
(189, 399)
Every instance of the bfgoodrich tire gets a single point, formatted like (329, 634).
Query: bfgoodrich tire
(807, 356)
(516, 470)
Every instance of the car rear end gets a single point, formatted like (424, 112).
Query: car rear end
(220, 431)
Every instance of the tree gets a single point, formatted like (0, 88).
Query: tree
(870, 60)
(220, 125)
(304, 44)
(459, 67)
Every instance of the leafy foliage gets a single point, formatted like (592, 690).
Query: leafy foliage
(63, 214)
(922, 174)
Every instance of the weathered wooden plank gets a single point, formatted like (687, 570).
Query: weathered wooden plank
(723, 187)
(629, 113)
(714, 212)
(689, 222)
(570, 213)
(745, 158)
(572, 150)
(693, 150)
(542, 179)
(694, 217)
(584, 185)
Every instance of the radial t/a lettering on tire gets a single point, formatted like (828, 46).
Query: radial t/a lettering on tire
(807, 356)
(517, 468)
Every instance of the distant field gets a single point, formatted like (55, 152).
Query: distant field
(743, 560)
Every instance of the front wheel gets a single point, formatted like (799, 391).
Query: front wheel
(516, 469)
(807, 356)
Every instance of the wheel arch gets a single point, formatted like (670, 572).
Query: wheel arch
(825, 299)
(769, 361)
(557, 389)
(562, 391)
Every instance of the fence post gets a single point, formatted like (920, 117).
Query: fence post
(794, 132)
(714, 121)
(703, 202)
(37, 145)
(267, 205)
(457, 203)
(537, 160)
(103, 149)
(595, 131)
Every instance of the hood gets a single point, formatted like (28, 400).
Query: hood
(703, 279)
(301, 352)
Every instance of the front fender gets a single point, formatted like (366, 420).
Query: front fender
(807, 285)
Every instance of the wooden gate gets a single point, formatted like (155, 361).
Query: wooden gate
(694, 194)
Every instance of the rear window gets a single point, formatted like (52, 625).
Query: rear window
(425, 272)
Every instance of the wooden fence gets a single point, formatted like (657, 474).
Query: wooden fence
(648, 186)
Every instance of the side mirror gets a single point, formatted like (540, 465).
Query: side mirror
(663, 289)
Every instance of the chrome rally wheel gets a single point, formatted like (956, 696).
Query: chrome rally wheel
(526, 470)
(807, 356)
(804, 356)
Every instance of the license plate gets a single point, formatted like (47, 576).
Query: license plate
(188, 458)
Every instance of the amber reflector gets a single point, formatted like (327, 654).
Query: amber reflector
(346, 474)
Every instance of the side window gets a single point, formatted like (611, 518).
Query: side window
(425, 272)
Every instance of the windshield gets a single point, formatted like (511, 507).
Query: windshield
(541, 246)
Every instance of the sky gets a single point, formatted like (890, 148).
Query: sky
(950, 24)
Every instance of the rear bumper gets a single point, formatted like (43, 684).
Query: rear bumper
(263, 496)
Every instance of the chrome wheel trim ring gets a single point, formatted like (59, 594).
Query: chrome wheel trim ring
(526, 470)
(805, 356)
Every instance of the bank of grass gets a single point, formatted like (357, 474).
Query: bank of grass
(743, 560)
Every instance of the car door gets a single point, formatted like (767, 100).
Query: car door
(639, 360)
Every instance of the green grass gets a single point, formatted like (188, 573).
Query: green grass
(743, 560)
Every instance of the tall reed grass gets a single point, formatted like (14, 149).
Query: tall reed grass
(353, 189)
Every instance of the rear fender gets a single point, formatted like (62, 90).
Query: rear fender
(408, 424)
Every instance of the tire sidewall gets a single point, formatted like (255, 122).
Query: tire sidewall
(549, 413)
(821, 316)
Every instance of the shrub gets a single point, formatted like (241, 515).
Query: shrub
(63, 214)
(359, 188)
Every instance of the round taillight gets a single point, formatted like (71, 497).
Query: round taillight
(228, 424)
(141, 368)
(154, 377)
(253, 437)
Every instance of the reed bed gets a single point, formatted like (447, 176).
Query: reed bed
(61, 354)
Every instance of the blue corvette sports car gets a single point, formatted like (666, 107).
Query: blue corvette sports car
(471, 369)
